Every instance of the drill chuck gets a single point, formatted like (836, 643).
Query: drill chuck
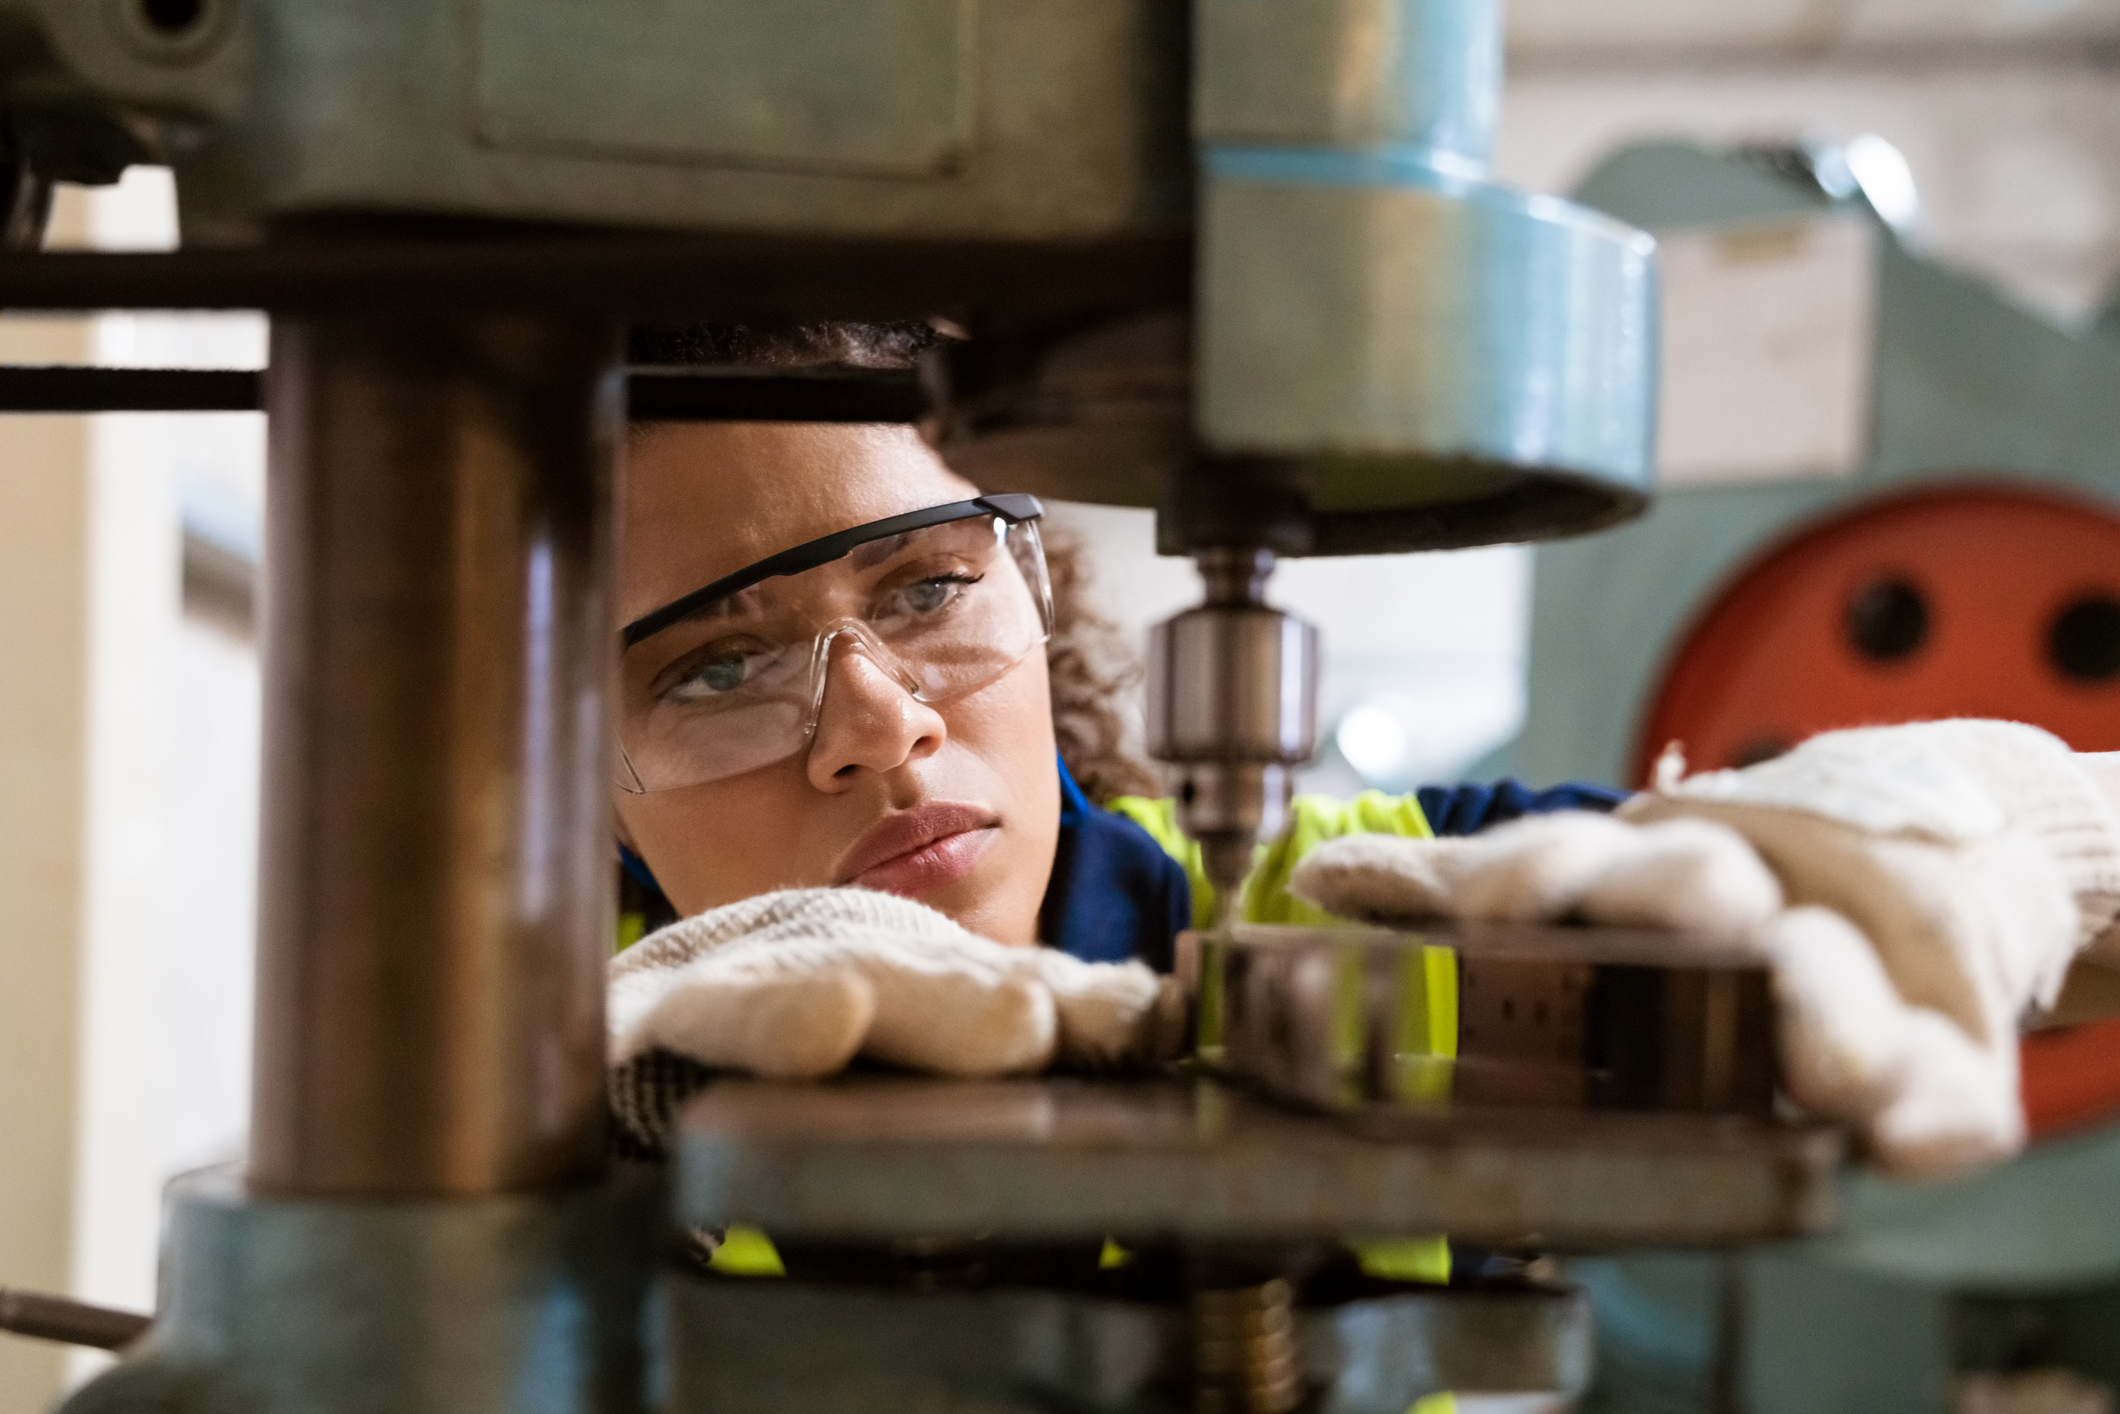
(1232, 706)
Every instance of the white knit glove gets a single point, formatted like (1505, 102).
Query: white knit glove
(794, 985)
(1918, 890)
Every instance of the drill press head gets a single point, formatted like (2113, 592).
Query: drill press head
(1388, 353)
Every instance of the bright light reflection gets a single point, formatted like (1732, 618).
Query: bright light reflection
(1373, 740)
(1882, 172)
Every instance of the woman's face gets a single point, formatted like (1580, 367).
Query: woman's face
(956, 805)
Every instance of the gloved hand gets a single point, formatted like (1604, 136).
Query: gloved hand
(794, 985)
(1917, 889)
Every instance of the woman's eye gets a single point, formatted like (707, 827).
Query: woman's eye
(931, 594)
(723, 673)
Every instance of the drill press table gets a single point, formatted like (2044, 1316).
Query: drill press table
(1196, 1160)
(1190, 1166)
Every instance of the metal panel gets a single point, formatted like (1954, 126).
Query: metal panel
(876, 86)
(1058, 120)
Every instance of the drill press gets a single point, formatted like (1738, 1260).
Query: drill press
(1247, 271)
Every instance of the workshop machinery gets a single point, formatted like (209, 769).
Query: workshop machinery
(1238, 261)
(1917, 517)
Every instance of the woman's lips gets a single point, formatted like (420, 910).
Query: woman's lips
(943, 862)
(920, 849)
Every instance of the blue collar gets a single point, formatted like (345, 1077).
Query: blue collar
(1114, 893)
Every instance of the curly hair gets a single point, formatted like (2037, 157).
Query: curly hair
(1091, 668)
(1092, 672)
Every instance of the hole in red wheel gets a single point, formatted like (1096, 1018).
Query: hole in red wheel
(174, 18)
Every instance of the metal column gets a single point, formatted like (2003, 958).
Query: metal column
(434, 911)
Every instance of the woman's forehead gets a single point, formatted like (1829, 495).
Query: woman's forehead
(704, 500)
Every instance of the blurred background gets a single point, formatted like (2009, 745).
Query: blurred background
(128, 549)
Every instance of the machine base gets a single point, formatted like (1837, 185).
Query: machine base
(522, 1304)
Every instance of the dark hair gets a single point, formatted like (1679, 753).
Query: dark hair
(825, 345)
(1090, 666)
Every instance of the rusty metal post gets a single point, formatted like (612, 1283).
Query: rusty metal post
(434, 907)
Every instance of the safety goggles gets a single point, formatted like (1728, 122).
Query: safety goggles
(732, 677)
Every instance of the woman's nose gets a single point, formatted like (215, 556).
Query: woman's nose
(867, 721)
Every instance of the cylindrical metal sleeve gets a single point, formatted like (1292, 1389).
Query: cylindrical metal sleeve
(1234, 683)
(434, 905)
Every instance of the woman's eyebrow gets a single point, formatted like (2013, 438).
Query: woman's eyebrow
(743, 603)
(746, 602)
(875, 552)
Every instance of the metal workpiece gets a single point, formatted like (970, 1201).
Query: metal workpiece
(434, 893)
(1454, 1016)
(875, 1158)
(520, 1304)
(803, 1348)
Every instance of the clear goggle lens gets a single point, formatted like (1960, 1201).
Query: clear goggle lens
(738, 684)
